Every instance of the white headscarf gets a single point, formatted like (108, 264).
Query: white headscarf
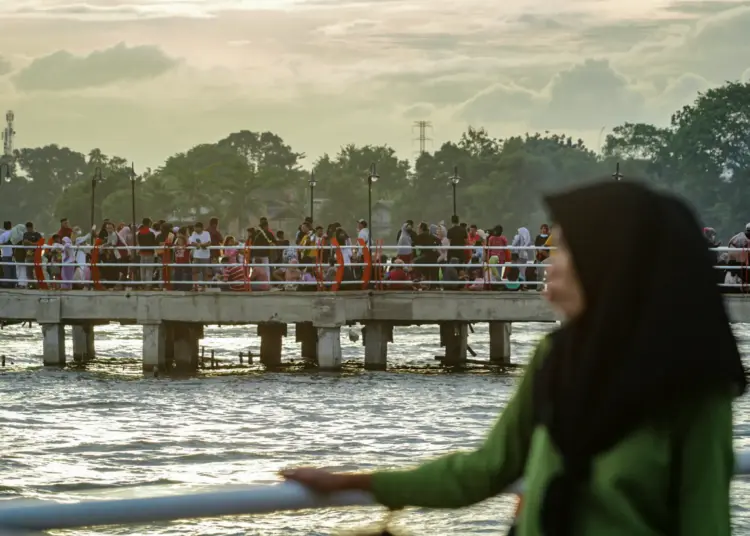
(16, 234)
(523, 240)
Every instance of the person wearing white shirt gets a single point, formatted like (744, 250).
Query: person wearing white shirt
(201, 240)
(8, 269)
(363, 231)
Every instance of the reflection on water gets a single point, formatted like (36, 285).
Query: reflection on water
(106, 432)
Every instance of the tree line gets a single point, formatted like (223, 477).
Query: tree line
(703, 155)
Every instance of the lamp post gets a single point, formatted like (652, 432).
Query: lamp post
(132, 192)
(455, 179)
(96, 177)
(617, 175)
(371, 178)
(5, 172)
(311, 181)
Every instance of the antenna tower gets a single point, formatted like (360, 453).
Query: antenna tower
(8, 134)
(423, 139)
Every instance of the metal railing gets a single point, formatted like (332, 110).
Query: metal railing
(252, 500)
(327, 267)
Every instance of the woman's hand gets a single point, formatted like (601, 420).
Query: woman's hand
(324, 481)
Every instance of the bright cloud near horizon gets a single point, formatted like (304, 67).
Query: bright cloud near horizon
(144, 79)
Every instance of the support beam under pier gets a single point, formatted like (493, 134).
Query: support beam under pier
(185, 340)
(500, 342)
(329, 348)
(53, 345)
(271, 342)
(307, 334)
(376, 336)
(155, 351)
(455, 337)
(83, 342)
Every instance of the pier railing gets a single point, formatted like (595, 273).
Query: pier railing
(328, 267)
(233, 502)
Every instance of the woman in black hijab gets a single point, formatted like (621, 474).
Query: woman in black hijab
(622, 424)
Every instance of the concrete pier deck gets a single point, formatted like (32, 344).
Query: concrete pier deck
(320, 308)
(173, 321)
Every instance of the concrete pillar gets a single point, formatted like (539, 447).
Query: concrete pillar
(155, 347)
(307, 334)
(376, 336)
(455, 338)
(500, 342)
(83, 342)
(271, 342)
(329, 348)
(185, 340)
(53, 345)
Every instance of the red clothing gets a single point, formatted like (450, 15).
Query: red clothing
(216, 240)
(65, 232)
(146, 238)
(495, 242)
(406, 258)
(181, 255)
(404, 281)
(235, 276)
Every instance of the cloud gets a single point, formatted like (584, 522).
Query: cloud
(584, 96)
(323, 73)
(419, 111)
(719, 46)
(499, 103)
(5, 66)
(63, 71)
(704, 7)
(590, 94)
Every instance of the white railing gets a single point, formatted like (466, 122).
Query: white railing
(323, 274)
(371, 271)
(253, 500)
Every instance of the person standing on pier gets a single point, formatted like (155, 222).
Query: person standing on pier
(145, 238)
(200, 240)
(622, 424)
(6, 257)
(264, 239)
(217, 240)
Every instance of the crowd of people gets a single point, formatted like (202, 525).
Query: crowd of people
(423, 256)
(158, 255)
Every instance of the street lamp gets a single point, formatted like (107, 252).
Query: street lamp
(311, 181)
(5, 172)
(132, 191)
(96, 177)
(371, 178)
(454, 182)
(617, 175)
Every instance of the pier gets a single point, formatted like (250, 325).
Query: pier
(173, 322)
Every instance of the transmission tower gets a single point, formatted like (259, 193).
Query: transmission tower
(8, 134)
(423, 139)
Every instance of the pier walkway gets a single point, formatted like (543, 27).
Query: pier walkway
(173, 321)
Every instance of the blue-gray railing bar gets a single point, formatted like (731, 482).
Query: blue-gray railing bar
(252, 500)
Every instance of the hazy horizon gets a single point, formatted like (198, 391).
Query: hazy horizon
(144, 79)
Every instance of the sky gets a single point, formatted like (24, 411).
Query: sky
(144, 79)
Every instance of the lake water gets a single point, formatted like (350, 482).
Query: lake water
(106, 432)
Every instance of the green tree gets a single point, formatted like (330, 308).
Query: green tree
(342, 182)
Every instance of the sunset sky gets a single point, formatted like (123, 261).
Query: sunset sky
(147, 78)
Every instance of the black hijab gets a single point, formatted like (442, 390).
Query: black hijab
(655, 334)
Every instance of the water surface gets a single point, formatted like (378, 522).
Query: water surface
(106, 432)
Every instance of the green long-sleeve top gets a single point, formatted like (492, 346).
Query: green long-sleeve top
(626, 494)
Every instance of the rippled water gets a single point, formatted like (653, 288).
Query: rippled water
(106, 432)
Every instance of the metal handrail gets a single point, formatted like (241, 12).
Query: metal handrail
(372, 269)
(232, 502)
